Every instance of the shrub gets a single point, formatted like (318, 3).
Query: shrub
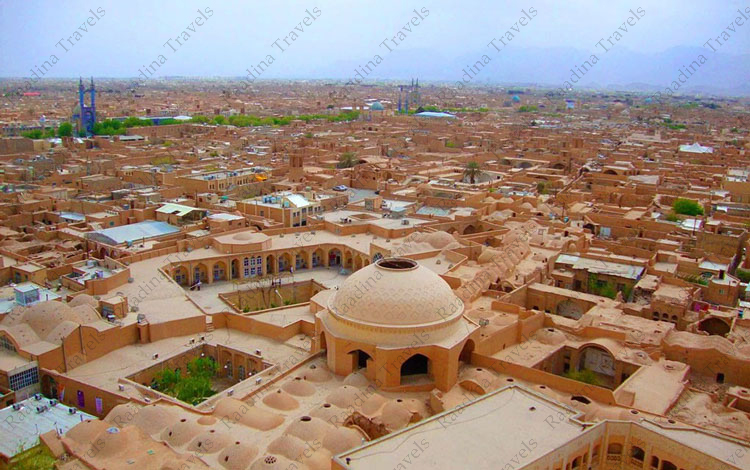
(608, 291)
(743, 275)
(687, 207)
(583, 375)
(527, 109)
(35, 134)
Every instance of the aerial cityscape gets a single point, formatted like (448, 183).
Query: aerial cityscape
(331, 236)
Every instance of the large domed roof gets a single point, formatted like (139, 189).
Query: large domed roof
(395, 292)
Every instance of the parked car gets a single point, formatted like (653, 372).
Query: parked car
(341, 187)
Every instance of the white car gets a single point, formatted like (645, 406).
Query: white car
(340, 187)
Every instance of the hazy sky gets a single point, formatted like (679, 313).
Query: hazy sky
(133, 33)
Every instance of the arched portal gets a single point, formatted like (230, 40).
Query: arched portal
(285, 262)
(300, 261)
(334, 257)
(200, 273)
(417, 365)
(359, 359)
(219, 271)
(235, 268)
(714, 326)
(180, 275)
(600, 361)
(317, 258)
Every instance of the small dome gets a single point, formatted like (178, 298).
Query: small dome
(343, 397)
(342, 439)
(308, 428)
(153, 419)
(317, 373)
(330, 414)
(376, 106)
(395, 415)
(251, 416)
(395, 291)
(237, 456)
(83, 299)
(440, 239)
(299, 387)
(280, 400)
(181, 432)
(210, 442)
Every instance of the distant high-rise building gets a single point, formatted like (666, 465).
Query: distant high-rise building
(84, 117)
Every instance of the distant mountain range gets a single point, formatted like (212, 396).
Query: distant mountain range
(619, 68)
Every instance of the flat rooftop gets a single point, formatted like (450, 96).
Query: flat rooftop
(21, 428)
(506, 427)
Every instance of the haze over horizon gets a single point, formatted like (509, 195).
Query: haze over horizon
(341, 37)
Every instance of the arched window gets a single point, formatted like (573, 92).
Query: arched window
(667, 465)
(637, 453)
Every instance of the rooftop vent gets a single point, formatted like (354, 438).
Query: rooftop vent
(397, 264)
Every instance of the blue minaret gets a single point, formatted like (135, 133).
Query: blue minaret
(93, 101)
(85, 116)
(80, 93)
(400, 90)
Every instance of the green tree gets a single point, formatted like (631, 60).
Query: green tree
(203, 367)
(687, 207)
(472, 171)
(133, 121)
(65, 129)
(35, 134)
(109, 127)
(347, 160)
(198, 119)
(220, 120)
